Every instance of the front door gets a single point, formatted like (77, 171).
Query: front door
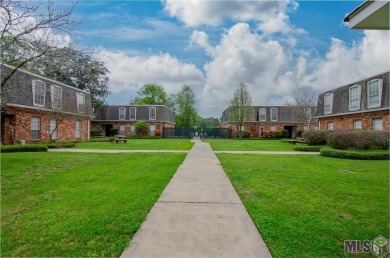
(152, 128)
(261, 130)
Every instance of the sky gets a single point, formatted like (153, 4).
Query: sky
(278, 48)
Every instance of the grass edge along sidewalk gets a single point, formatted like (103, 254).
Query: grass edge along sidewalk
(309, 208)
(78, 204)
(139, 144)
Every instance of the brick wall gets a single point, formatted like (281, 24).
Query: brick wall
(345, 122)
(127, 124)
(254, 127)
(18, 121)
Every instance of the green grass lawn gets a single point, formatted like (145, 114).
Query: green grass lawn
(306, 206)
(250, 145)
(67, 204)
(139, 144)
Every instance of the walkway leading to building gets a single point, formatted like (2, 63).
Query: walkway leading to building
(199, 214)
(114, 151)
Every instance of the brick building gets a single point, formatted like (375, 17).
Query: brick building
(361, 105)
(124, 117)
(38, 109)
(270, 118)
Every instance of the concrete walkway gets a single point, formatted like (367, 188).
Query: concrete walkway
(199, 214)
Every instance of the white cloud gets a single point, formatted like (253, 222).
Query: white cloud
(271, 14)
(128, 73)
(273, 75)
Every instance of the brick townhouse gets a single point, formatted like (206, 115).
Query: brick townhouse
(361, 105)
(124, 117)
(38, 109)
(270, 118)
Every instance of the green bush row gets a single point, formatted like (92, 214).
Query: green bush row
(58, 145)
(23, 148)
(353, 154)
(308, 148)
(360, 140)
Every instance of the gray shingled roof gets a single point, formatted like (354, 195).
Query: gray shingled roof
(18, 92)
(111, 113)
(341, 97)
(286, 114)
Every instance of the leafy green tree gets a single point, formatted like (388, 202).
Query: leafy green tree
(185, 105)
(141, 128)
(208, 122)
(153, 94)
(241, 107)
(76, 69)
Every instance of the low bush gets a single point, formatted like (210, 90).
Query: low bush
(94, 132)
(99, 139)
(246, 134)
(285, 134)
(299, 133)
(275, 134)
(355, 154)
(265, 134)
(318, 137)
(23, 148)
(113, 131)
(361, 140)
(316, 148)
(61, 145)
(157, 132)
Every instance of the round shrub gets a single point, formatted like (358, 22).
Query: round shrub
(354, 154)
(285, 134)
(360, 140)
(299, 133)
(318, 137)
(275, 134)
(94, 132)
(265, 134)
(141, 128)
(246, 134)
(113, 131)
(157, 133)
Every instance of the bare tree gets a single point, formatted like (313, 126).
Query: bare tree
(241, 107)
(302, 107)
(30, 30)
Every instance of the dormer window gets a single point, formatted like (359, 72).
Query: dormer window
(122, 113)
(374, 93)
(274, 114)
(328, 103)
(56, 97)
(262, 114)
(152, 113)
(354, 97)
(80, 102)
(38, 90)
(133, 113)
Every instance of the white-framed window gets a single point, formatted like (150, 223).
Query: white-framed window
(56, 96)
(354, 97)
(261, 130)
(357, 124)
(242, 128)
(80, 102)
(262, 114)
(374, 93)
(329, 126)
(78, 129)
(152, 128)
(152, 113)
(133, 113)
(328, 103)
(274, 114)
(273, 128)
(308, 114)
(35, 128)
(122, 113)
(122, 129)
(377, 124)
(53, 129)
(39, 93)
(132, 130)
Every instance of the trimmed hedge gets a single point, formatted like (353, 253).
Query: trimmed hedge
(58, 145)
(353, 154)
(308, 148)
(23, 148)
(246, 134)
(318, 137)
(360, 140)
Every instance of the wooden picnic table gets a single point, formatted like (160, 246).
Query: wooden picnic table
(120, 138)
